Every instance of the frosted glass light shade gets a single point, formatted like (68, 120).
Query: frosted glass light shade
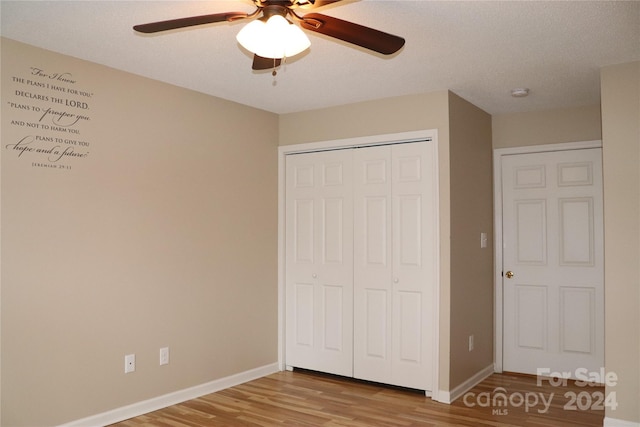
(277, 38)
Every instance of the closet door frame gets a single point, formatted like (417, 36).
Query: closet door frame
(387, 139)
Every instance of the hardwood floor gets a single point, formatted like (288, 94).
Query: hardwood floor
(308, 399)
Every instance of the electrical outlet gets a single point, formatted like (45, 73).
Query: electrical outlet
(470, 342)
(129, 363)
(164, 356)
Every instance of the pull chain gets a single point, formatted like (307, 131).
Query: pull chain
(274, 73)
(275, 65)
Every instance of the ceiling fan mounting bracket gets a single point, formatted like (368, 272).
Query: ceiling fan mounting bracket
(273, 9)
(287, 4)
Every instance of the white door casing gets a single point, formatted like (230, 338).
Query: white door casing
(552, 241)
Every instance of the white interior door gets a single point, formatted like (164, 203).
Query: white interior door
(395, 256)
(319, 259)
(553, 284)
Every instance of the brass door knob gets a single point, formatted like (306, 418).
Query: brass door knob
(509, 274)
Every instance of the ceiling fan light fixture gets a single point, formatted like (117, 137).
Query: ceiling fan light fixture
(276, 38)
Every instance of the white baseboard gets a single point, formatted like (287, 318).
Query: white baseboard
(450, 396)
(140, 408)
(612, 422)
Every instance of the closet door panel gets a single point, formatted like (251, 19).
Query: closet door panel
(414, 253)
(303, 242)
(319, 262)
(303, 314)
(372, 263)
(408, 248)
(376, 346)
(409, 309)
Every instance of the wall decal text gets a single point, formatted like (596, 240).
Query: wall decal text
(50, 114)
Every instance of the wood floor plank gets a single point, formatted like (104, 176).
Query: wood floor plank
(309, 399)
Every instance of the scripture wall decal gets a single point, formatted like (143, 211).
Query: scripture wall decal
(48, 111)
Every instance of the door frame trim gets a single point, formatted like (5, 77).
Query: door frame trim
(366, 141)
(498, 153)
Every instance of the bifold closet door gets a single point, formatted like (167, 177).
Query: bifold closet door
(395, 256)
(319, 261)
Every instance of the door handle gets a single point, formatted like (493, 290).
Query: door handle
(509, 274)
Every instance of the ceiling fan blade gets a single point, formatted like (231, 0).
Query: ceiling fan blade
(312, 4)
(262, 63)
(173, 24)
(362, 36)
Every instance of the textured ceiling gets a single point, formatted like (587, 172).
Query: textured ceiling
(479, 50)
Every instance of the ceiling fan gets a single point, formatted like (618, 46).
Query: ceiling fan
(349, 32)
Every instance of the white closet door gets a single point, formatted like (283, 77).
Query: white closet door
(415, 260)
(319, 257)
(395, 255)
(373, 262)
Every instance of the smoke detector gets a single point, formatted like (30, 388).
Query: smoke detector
(520, 92)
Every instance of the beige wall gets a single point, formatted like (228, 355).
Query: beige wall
(620, 88)
(165, 235)
(547, 127)
(379, 117)
(471, 214)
